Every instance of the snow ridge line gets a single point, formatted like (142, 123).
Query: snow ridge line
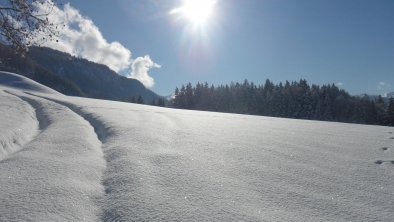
(45, 122)
(100, 130)
(42, 120)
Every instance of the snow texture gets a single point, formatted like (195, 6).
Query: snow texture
(73, 159)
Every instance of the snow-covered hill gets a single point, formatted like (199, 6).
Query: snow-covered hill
(72, 159)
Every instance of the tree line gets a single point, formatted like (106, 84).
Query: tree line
(161, 101)
(297, 99)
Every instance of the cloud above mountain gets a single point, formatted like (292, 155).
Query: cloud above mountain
(80, 37)
(383, 88)
(140, 70)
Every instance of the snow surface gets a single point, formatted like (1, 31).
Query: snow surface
(72, 159)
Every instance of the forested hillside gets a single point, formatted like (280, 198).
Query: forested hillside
(95, 80)
(73, 76)
(11, 62)
(298, 100)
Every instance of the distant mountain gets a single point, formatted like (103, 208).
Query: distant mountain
(386, 98)
(94, 80)
(79, 76)
(11, 62)
(389, 95)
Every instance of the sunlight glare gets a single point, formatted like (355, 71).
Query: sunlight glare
(196, 11)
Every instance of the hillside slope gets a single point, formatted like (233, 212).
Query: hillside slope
(11, 62)
(95, 160)
(73, 76)
(95, 80)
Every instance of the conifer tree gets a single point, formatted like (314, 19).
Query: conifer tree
(291, 100)
(389, 115)
(140, 100)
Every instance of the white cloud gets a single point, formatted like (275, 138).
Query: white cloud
(382, 86)
(339, 84)
(140, 69)
(80, 37)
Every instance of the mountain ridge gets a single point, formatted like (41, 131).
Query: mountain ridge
(73, 76)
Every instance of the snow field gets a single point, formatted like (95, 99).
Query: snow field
(57, 175)
(18, 124)
(99, 160)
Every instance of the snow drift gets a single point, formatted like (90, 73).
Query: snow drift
(73, 159)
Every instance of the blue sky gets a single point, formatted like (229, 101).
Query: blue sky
(350, 42)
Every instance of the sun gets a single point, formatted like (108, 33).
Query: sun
(196, 12)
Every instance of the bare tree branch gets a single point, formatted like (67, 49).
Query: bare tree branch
(21, 21)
